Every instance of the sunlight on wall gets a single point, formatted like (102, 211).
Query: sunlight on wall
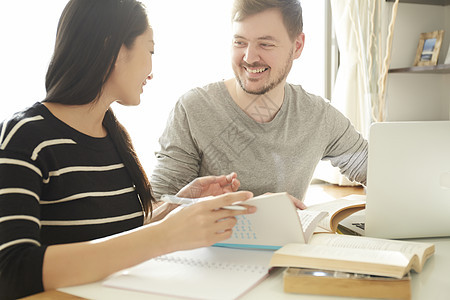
(192, 49)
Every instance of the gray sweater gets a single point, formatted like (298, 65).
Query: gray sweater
(207, 133)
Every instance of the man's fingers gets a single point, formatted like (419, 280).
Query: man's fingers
(231, 176)
(299, 204)
(235, 184)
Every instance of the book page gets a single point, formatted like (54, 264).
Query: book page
(273, 225)
(338, 210)
(407, 248)
(309, 220)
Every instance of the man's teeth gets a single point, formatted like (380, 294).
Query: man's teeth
(254, 71)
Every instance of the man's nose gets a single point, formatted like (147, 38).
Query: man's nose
(251, 54)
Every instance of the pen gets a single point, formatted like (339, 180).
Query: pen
(189, 201)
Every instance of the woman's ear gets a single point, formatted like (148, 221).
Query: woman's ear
(122, 56)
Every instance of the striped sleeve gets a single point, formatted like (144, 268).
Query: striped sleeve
(21, 252)
(57, 186)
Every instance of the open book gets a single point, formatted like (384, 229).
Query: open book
(337, 211)
(355, 254)
(278, 222)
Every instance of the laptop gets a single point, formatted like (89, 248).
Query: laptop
(408, 182)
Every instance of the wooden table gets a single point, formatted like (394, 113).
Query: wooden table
(322, 191)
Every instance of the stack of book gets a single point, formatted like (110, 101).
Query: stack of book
(352, 266)
(335, 283)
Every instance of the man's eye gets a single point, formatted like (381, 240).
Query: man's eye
(239, 43)
(267, 45)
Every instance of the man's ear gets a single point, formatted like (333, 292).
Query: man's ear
(299, 43)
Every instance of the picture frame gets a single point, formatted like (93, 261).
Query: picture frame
(428, 49)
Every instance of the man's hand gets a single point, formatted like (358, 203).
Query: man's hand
(199, 188)
(298, 203)
(210, 186)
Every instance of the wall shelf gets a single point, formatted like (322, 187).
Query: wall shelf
(438, 69)
(429, 2)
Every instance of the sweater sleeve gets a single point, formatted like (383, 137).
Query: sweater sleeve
(21, 252)
(178, 160)
(347, 149)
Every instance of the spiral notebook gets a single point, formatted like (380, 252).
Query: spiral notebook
(205, 273)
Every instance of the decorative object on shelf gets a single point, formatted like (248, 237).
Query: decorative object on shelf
(379, 106)
(447, 58)
(428, 49)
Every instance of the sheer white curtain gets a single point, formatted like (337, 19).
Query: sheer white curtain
(351, 94)
(360, 82)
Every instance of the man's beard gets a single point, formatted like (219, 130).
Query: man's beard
(270, 85)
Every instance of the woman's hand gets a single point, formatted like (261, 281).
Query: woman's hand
(201, 224)
(210, 186)
(204, 223)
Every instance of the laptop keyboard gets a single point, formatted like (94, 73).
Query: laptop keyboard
(359, 225)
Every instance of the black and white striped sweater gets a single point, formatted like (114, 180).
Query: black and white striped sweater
(57, 186)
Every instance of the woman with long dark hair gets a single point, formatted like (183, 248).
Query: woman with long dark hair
(73, 196)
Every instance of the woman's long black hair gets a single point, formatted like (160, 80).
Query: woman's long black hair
(89, 36)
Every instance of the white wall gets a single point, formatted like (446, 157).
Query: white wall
(193, 40)
(412, 96)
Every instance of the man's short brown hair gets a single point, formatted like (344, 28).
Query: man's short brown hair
(291, 11)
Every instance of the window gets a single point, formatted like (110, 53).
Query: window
(27, 30)
(192, 49)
